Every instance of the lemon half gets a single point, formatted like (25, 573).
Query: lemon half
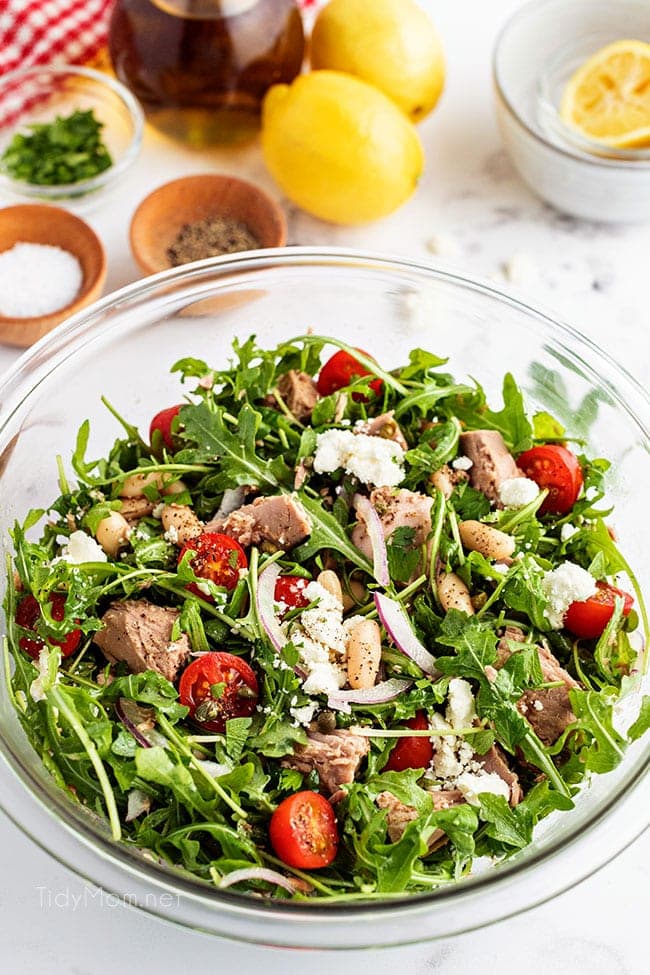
(608, 97)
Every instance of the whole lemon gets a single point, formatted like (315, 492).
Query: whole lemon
(391, 44)
(339, 148)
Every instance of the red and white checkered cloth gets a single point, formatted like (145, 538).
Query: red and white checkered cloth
(39, 32)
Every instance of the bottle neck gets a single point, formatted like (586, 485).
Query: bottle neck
(205, 9)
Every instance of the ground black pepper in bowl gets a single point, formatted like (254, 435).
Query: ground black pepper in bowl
(209, 238)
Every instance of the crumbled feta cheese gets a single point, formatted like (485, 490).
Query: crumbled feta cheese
(517, 492)
(204, 587)
(538, 705)
(320, 636)
(500, 568)
(374, 460)
(461, 711)
(462, 463)
(567, 531)
(567, 584)
(82, 548)
(171, 535)
(39, 684)
(158, 510)
(472, 784)
(304, 715)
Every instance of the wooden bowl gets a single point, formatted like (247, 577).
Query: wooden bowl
(45, 224)
(161, 216)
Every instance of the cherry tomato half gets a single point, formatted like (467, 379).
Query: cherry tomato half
(411, 752)
(162, 423)
(554, 467)
(588, 618)
(28, 612)
(290, 590)
(340, 371)
(216, 687)
(303, 831)
(218, 558)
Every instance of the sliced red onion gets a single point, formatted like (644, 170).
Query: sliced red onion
(387, 690)
(259, 873)
(375, 531)
(265, 601)
(232, 499)
(131, 716)
(396, 624)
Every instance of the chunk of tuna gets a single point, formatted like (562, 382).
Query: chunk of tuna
(280, 521)
(399, 815)
(492, 462)
(298, 390)
(495, 761)
(547, 709)
(396, 509)
(335, 756)
(140, 634)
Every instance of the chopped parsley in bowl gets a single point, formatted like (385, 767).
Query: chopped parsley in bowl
(329, 633)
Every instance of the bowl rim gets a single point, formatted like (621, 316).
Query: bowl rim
(116, 169)
(532, 6)
(328, 919)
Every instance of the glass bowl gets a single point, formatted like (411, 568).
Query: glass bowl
(30, 96)
(123, 347)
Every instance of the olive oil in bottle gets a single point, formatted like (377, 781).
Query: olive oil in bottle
(201, 67)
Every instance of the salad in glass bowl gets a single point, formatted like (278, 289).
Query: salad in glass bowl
(326, 632)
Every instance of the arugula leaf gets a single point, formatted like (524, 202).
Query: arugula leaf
(403, 556)
(642, 723)
(235, 452)
(603, 750)
(237, 731)
(511, 421)
(326, 532)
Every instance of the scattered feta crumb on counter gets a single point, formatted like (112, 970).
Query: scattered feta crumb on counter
(444, 245)
(462, 463)
(517, 492)
(37, 279)
(567, 584)
(374, 460)
(520, 269)
(82, 548)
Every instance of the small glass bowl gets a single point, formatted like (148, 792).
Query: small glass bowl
(38, 95)
(553, 79)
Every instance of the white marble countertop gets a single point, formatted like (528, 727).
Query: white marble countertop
(472, 209)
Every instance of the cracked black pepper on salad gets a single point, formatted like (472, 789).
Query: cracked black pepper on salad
(331, 632)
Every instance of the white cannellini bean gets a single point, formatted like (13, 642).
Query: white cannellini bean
(330, 581)
(490, 542)
(175, 487)
(181, 519)
(133, 486)
(113, 533)
(453, 593)
(363, 654)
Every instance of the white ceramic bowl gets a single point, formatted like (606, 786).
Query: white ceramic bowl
(123, 347)
(558, 169)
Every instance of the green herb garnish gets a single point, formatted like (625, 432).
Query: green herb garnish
(67, 150)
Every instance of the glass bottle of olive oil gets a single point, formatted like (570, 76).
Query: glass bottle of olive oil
(201, 67)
